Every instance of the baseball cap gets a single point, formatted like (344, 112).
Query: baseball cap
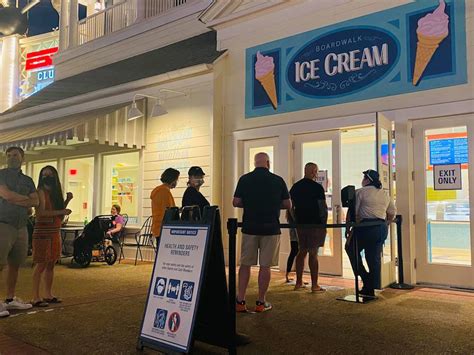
(372, 175)
(195, 171)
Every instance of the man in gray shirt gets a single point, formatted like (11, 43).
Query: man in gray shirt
(17, 195)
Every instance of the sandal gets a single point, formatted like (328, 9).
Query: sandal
(53, 300)
(39, 304)
(318, 290)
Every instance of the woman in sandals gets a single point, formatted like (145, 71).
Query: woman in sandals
(47, 234)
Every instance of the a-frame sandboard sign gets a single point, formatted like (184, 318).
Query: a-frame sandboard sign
(188, 297)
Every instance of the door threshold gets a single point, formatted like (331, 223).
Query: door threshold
(444, 287)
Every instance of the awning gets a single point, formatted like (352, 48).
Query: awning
(109, 126)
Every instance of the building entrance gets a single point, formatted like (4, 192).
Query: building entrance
(444, 188)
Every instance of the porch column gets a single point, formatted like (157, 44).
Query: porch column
(63, 25)
(73, 23)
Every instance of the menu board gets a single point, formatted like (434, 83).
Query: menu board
(449, 151)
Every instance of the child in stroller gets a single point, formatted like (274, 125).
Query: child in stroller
(91, 244)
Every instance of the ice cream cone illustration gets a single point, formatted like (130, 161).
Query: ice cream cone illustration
(432, 30)
(264, 73)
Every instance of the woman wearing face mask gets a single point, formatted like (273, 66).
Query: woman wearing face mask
(47, 234)
(192, 196)
(161, 199)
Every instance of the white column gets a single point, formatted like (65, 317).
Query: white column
(73, 22)
(406, 195)
(9, 72)
(63, 25)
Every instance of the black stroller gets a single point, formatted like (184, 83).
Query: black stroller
(90, 245)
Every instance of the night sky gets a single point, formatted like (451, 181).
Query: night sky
(42, 18)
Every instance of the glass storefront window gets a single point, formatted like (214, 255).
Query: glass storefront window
(79, 179)
(37, 168)
(120, 184)
(255, 150)
(320, 152)
(448, 211)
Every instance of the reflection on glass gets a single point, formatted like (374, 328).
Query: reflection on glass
(37, 168)
(79, 179)
(121, 184)
(256, 150)
(448, 230)
(320, 153)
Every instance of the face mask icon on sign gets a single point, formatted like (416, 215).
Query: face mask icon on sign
(160, 286)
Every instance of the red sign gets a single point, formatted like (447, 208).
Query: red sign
(40, 59)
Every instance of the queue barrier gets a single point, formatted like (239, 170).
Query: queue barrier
(232, 228)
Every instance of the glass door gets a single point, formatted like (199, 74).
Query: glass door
(384, 167)
(443, 185)
(324, 149)
(267, 145)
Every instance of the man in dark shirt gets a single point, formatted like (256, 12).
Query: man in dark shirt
(192, 196)
(262, 195)
(309, 203)
(17, 195)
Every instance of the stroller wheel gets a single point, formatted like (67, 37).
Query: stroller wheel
(110, 255)
(83, 258)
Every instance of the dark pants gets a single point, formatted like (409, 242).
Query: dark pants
(369, 239)
(291, 257)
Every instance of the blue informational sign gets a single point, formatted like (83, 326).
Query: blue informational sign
(377, 55)
(173, 296)
(449, 151)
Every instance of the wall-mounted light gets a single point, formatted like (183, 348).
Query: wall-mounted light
(158, 108)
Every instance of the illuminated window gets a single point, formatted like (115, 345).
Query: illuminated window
(120, 184)
(79, 179)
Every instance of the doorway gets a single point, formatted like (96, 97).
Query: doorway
(443, 185)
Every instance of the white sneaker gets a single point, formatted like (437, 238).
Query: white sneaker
(18, 304)
(3, 311)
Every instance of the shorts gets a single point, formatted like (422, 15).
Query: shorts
(13, 245)
(262, 248)
(311, 238)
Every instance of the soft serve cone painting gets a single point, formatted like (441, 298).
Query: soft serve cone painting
(265, 74)
(432, 30)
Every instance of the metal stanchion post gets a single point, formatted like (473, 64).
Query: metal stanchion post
(237, 338)
(400, 284)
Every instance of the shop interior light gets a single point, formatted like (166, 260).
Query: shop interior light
(158, 108)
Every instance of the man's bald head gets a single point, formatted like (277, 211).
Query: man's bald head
(310, 171)
(262, 160)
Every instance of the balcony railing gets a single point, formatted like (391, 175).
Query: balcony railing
(110, 20)
(157, 7)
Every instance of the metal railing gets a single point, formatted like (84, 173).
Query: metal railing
(110, 20)
(157, 7)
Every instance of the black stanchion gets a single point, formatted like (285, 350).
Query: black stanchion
(239, 339)
(400, 285)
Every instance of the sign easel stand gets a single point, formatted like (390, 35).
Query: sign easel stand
(214, 322)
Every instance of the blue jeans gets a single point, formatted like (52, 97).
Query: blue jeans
(370, 239)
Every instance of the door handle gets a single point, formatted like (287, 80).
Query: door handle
(337, 211)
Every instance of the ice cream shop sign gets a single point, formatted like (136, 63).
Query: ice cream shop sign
(401, 50)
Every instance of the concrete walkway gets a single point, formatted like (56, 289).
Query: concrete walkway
(103, 308)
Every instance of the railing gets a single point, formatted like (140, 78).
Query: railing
(110, 20)
(157, 7)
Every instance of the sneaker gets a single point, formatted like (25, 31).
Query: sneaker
(263, 306)
(18, 304)
(240, 306)
(3, 311)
